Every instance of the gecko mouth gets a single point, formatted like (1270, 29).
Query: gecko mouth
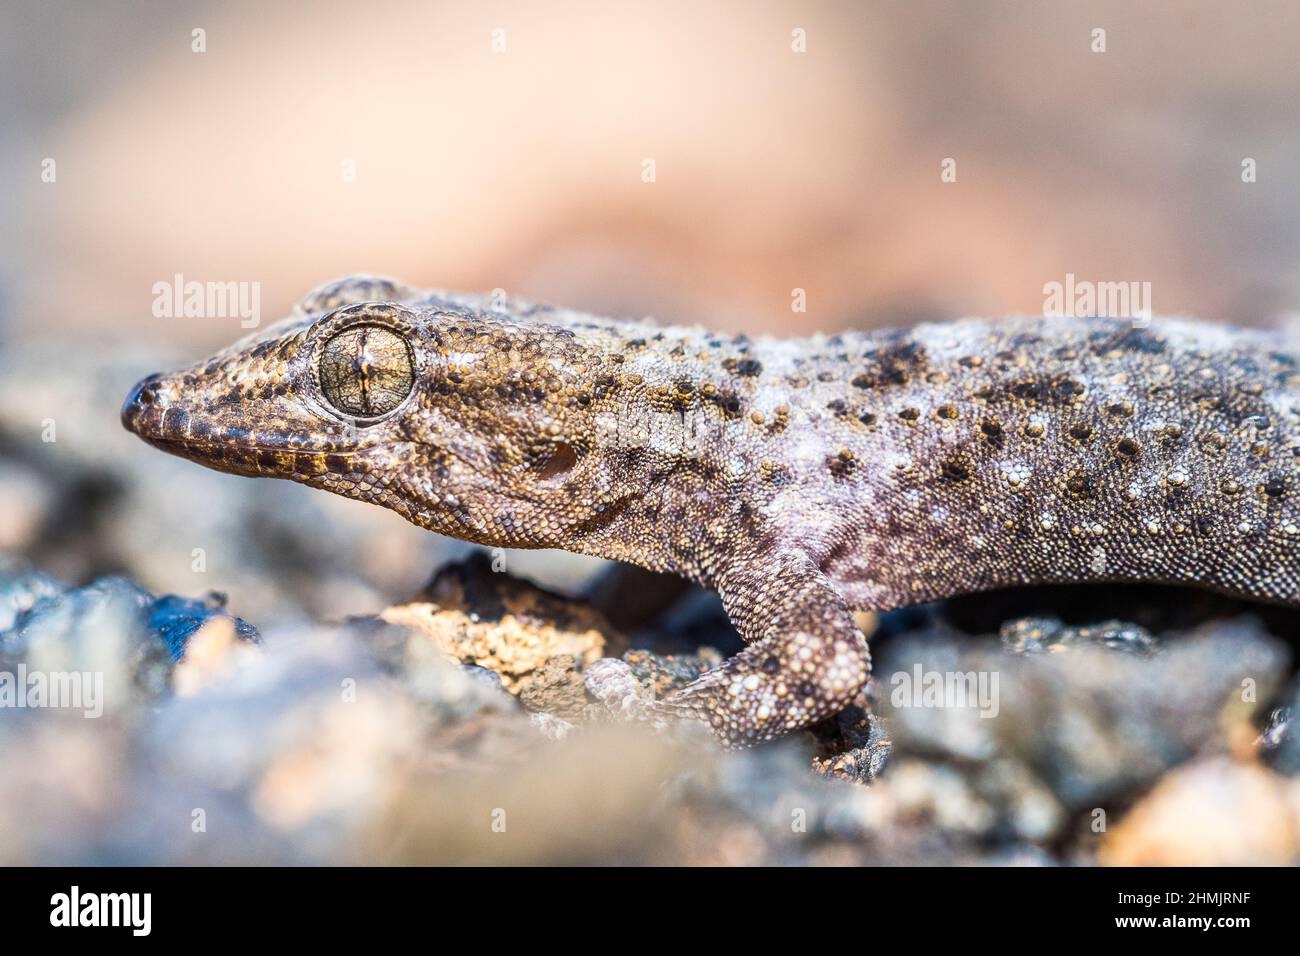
(229, 449)
(254, 461)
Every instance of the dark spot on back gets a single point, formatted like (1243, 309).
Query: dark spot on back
(842, 465)
(727, 402)
(892, 364)
(1127, 338)
(1024, 339)
(1066, 390)
(1079, 485)
(1127, 448)
(955, 470)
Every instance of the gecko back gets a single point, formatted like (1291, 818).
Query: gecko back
(978, 454)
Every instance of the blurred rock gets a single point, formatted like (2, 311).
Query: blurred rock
(482, 729)
(112, 628)
(612, 684)
(176, 620)
(1047, 635)
(210, 653)
(1214, 812)
(25, 502)
(1279, 741)
(20, 588)
(1092, 725)
(102, 630)
(576, 801)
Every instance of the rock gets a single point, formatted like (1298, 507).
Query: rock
(1213, 812)
(176, 620)
(556, 688)
(536, 641)
(535, 739)
(20, 588)
(552, 727)
(855, 745)
(595, 797)
(1093, 725)
(1025, 808)
(211, 653)
(112, 628)
(1033, 635)
(26, 503)
(1279, 742)
(612, 684)
(99, 630)
(939, 796)
(452, 694)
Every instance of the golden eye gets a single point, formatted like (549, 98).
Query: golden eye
(366, 371)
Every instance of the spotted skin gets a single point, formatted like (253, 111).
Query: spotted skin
(802, 479)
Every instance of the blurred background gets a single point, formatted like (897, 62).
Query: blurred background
(476, 146)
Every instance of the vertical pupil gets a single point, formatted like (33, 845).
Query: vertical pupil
(361, 365)
(366, 371)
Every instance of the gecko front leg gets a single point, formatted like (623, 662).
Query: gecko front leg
(806, 658)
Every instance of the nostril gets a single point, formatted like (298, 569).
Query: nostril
(146, 390)
(141, 399)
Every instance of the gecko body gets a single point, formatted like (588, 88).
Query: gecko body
(802, 479)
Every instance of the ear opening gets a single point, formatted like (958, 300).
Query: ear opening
(561, 462)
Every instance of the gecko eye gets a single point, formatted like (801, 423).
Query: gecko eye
(366, 371)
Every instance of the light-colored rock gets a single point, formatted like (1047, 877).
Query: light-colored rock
(1214, 812)
(510, 627)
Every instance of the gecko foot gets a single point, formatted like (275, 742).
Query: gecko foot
(778, 685)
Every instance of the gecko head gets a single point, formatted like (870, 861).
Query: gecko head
(462, 420)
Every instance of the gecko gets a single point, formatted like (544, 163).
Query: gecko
(802, 479)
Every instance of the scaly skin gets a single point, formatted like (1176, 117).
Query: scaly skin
(801, 479)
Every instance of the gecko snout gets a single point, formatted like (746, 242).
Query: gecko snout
(141, 402)
(145, 407)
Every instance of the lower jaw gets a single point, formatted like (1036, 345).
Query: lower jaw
(251, 462)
